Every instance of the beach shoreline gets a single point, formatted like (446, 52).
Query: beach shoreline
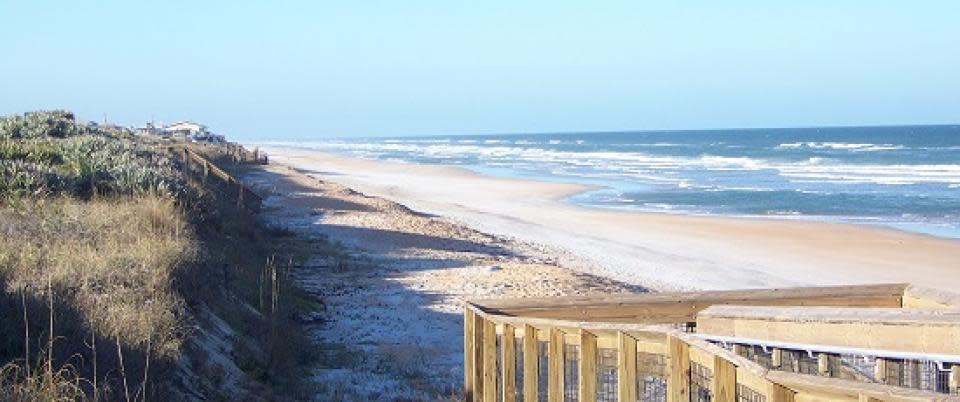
(655, 250)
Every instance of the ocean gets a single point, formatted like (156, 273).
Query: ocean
(904, 177)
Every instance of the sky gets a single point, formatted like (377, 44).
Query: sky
(316, 69)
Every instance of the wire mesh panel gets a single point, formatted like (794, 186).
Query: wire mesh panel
(607, 376)
(518, 352)
(542, 373)
(925, 375)
(499, 374)
(571, 373)
(700, 377)
(859, 368)
(747, 394)
(756, 353)
(651, 377)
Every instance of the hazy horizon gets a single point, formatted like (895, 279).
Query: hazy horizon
(301, 70)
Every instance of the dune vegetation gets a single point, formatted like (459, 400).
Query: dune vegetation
(118, 274)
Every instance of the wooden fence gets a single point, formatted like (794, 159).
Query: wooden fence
(513, 357)
(197, 166)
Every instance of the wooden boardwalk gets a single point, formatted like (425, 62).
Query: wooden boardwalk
(847, 343)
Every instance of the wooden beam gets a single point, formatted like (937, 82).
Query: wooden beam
(823, 364)
(678, 380)
(880, 370)
(477, 358)
(588, 367)
(724, 381)
(683, 307)
(955, 378)
(626, 367)
(776, 358)
(508, 360)
(531, 364)
(469, 361)
(489, 361)
(555, 369)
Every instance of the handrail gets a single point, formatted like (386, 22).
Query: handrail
(245, 196)
(730, 374)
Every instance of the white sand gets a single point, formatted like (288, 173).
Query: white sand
(653, 250)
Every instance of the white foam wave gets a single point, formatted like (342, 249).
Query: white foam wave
(855, 147)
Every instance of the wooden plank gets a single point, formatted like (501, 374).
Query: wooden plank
(823, 364)
(779, 393)
(478, 358)
(509, 363)
(724, 381)
(469, 363)
(678, 381)
(489, 390)
(555, 369)
(588, 367)
(880, 370)
(776, 358)
(955, 379)
(531, 364)
(626, 367)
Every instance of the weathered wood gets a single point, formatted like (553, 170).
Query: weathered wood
(508, 361)
(724, 381)
(531, 364)
(823, 364)
(779, 393)
(588, 367)
(626, 367)
(776, 358)
(867, 398)
(880, 370)
(478, 358)
(955, 379)
(469, 361)
(678, 380)
(489, 390)
(682, 307)
(555, 369)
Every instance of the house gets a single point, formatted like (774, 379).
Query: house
(185, 129)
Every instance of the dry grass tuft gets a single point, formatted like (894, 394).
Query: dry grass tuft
(85, 273)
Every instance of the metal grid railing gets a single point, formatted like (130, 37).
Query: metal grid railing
(571, 373)
(700, 378)
(607, 375)
(651, 377)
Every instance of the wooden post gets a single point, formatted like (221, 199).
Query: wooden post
(724, 381)
(823, 364)
(508, 359)
(489, 361)
(626, 367)
(880, 370)
(678, 381)
(206, 169)
(776, 358)
(477, 358)
(469, 361)
(955, 379)
(779, 393)
(588, 367)
(555, 369)
(531, 364)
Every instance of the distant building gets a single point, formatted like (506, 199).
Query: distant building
(185, 129)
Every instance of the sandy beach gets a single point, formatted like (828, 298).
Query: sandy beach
(390, 325)
(419, 238)
(658, 251)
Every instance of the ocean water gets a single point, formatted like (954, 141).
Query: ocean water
(903, 177)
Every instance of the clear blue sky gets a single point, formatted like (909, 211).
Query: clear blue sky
(310, 69)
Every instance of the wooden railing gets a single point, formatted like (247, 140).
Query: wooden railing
(511, 357)
(197, 166)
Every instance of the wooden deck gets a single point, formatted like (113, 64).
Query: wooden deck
(557, 348)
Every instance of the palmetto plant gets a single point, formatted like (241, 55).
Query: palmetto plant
(47, 152)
